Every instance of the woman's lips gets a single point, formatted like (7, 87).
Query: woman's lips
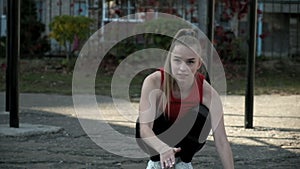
(181, 76)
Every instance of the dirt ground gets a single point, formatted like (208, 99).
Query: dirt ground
(274, 142)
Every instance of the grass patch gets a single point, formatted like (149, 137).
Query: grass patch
(45, 82)
(55, 76)
(277, 76)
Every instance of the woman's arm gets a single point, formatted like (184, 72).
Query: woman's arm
(212, 100)
(223, 146)
(147, 113)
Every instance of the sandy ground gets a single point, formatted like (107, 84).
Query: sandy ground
(274, 142)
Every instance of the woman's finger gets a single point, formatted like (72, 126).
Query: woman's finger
(170, 163)
(176, 150)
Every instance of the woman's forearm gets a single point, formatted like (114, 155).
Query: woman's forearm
(226, 157)
(152, 140)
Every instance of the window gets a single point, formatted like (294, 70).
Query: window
(113, 10)
(80, 8)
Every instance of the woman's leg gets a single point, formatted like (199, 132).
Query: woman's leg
(179, 165)
(183, 165)
(196, 136)
(153, 165)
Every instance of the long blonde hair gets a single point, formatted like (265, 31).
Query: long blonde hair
(188, 38)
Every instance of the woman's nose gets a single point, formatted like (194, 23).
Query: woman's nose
(183, 67)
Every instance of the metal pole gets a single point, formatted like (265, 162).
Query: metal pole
(251, 66)
(210, 35)
(7, 75)
(13, 54)
(211, 20)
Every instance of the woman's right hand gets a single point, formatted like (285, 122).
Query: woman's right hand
(167, 157)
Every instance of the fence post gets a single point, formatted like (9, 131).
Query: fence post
(211, 17)
(13, 54)
(210, 36)
(251, 66)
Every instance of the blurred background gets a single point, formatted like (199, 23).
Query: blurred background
(53, 32)
(51, 40)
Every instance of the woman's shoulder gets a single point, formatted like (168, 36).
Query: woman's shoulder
(153, 79)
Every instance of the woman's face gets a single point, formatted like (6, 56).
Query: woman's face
(184, 64)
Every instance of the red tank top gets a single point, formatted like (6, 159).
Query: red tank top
(182, 106)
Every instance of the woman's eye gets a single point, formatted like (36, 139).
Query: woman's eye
(190, 62)
(176, 60)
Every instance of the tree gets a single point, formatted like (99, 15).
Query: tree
(233, 11)
(227, 41)
(66, 29)
(32, 41)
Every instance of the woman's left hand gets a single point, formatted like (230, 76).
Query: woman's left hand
(167, 158)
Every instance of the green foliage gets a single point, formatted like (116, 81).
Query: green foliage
(32, 41)
(156, 38)
(65, 28)
(228, 46)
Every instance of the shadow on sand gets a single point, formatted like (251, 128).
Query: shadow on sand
(73, 148)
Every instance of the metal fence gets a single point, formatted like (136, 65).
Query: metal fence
(104, 11)
(278, 20)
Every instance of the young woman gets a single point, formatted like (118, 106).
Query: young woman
(178, 108)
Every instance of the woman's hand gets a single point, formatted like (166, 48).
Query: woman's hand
(167, 157)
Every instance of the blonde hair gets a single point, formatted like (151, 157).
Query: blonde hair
(188, 38)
